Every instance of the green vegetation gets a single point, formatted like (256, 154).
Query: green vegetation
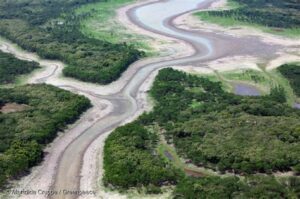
(262, 80)
(292, 73)
(233, 187)
(213, 129)
(130, 160)
(101, 24)
(225, 131)
(24, 132)
(100, 12)
(278, 16)
(11, 68)
(252, 76)
(52, 29)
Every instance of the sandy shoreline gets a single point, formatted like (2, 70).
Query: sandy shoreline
(41, 176)
(290, 51)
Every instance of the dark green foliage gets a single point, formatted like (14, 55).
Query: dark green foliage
(10, 67)
(292, 73)
(24, 133)
(20, 156)
(278, 94)
(275, 13)
(232, 187)
(130, 160)
(242, 144)
(214, 129)
(51, 28)
(207, 187)
(297, 169)
(224, 131)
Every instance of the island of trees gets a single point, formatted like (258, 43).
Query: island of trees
(292, 73)
(11, 68)
(277, 16)
(130, 160)
(52, 29)
(275, 13)
(35, 114)
(246, 136)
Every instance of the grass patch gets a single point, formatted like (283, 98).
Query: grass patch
(279, 79)
(292, 73)
(251, 77)
(101, 24)
(263, 80)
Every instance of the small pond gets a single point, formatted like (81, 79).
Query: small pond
(246, 90)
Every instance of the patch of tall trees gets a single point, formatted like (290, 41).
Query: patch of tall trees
(130, 160)
(275, 13)
(52, 29)
(224, 131)
(292, 73)
(210, 128)
(233, 187)
(24, 133)
(10, 67)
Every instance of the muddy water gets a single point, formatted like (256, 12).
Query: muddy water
(297, 105)
(156, 16)
(246, 90)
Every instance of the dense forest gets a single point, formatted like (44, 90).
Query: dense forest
(224, 131)
(11, 67)
(232, 187)
(292, 73)
(36, 114)
(130, 160)
(215, 129)
(275, 13)
(52, 29)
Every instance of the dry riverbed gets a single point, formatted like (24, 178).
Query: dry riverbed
(91, 171)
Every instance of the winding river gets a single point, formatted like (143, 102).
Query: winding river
(124, 101)
(62, 168)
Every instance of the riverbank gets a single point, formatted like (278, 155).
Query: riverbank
(260, 15)
(104, 25)
(190, 22)
(127, 97)
(41, 176)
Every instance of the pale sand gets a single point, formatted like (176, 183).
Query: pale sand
(226, 64)
(13, 107)
(282, 59)
(221, 4)
(290, 51)
(206, 70)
